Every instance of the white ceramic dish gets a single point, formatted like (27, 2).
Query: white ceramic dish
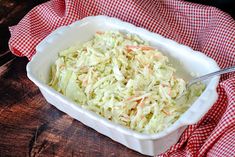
(81, 31)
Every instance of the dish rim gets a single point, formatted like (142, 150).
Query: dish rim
(174, 127)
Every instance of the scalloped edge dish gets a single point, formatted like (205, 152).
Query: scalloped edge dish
(81, 31)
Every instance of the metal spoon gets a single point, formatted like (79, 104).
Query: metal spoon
(205, 77)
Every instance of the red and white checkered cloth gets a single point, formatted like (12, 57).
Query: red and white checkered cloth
(203, 28)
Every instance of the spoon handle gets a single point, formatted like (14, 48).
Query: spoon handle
(207, 76)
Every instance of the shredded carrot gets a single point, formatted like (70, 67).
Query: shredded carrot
(84, 82)
(147, 66)
(142, 117)
(138, 101)
(166, 112)
(131, 97)
(143, 48)
(147, 48)
(165, 85)
(157, 56)
(130, 48)
(169, 92)
(99, 32)
(141, 102)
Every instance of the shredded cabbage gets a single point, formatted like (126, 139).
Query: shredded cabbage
(120, 77)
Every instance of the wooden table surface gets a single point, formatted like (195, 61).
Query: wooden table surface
(29, 126)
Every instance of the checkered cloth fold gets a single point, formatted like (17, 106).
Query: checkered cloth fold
(203, 28)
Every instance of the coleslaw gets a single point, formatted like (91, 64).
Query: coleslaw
(120, 77)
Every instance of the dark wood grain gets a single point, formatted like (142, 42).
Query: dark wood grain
(29, 126)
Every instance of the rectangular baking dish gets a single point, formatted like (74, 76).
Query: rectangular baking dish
(185, 59)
